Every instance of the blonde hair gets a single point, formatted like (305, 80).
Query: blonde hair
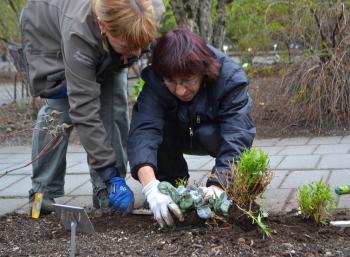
(131, 20)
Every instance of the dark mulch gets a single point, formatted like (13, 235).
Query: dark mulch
(140, 236)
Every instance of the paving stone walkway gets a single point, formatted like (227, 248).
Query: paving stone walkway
(295, 161)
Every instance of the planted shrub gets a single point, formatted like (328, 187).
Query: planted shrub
(251, 176)
(317, 201)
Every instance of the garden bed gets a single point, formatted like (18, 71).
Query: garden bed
(139, 235)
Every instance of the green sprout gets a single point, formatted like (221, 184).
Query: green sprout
(181, 182)
(137, 89)
(317, 201)
(258, 220)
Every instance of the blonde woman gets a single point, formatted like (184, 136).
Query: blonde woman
(77, 54)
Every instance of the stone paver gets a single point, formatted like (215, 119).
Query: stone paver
(339, 178)
(76, 157)
(291, 203)
(22, 171)
(20, 188)
(9, 205)
(78, 168)
(272, 150)
(344, 201)
(76, 183)
(333, 149)
(8, 180)
(15, 149)
(298, 150)
(275, 161)
(298, 178)
(335, 161)
(293, 141)
(278, 177)
(84, 189)
(209, 165)
(265, 142)
(195, 163)
(345, 140)
(294, 161)
(17, 159)
(273, 200)
(299, 162)
(325, 140)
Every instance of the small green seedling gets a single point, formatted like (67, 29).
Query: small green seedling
(251, 177)
(317, 201)
(181, 182)
(257, 218)
(137, 89)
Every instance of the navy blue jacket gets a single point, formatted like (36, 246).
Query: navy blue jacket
(224, 102)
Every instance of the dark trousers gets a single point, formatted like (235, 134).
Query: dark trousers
(177, 141)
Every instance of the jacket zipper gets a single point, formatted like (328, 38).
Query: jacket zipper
(191, 135)
(190, 128)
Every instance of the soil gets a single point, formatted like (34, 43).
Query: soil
(139, 235)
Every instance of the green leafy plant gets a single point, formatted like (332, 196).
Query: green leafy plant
(193, 198)
(317, 201)
(137, 89)
(181, 182)
(251, 176)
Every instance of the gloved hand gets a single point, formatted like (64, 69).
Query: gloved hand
(121, 198)
(211, 192)
(160, 204)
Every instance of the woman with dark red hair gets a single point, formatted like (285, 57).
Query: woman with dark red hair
(195, 101)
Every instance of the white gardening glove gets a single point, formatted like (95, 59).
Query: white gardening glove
(160, 204)
(211, 192)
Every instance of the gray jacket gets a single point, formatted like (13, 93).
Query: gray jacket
(64, 35)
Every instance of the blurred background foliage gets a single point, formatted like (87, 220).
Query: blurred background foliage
(10, 12)
(255, 24)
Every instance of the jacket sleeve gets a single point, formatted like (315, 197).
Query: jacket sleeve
(235, 122)
(80, 60)
(146, 128)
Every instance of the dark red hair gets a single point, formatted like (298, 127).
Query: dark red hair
(181, 52)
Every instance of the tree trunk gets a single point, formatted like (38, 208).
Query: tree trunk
(219, 31)
(196, 16)
(185, 12)
(204, 20)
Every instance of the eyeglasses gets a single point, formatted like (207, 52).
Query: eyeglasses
(182, 82)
